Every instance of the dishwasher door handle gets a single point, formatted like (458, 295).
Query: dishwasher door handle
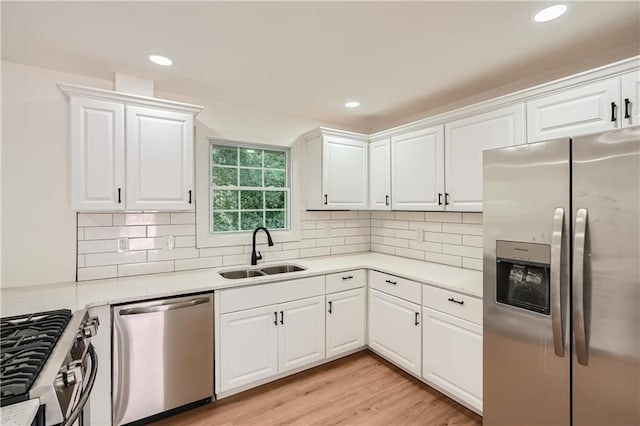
(164, 308)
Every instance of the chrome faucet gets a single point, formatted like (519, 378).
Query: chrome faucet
(258, 256)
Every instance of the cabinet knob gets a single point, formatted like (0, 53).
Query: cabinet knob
(446, 199)
(189, 196)
(330, 307)
(386, 200)
(416, 322)
(614, 110)
(275, 318)
(326, 199)
(119, 195)
(627, 110)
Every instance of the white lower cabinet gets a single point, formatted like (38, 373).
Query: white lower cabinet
(249, 346)
(345, 317)
(452, 356)
(300, 333)
(394, 330)
(256, 344)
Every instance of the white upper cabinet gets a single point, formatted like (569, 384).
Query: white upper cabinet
(589, 108)
(380, 175)
(417, 170)
(630, 112)
(159, 159)
(129, 152)
(336, 170)
(97, 154)
(465, 140)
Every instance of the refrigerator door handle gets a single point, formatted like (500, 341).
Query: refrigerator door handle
(579, 329)
(556, 264)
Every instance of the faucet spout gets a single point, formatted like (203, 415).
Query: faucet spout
(255, 256)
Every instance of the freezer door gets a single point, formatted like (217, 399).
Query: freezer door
(606, 279)
(526, 278)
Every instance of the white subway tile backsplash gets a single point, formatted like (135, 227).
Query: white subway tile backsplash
(145, 268)
(443, 237)
(147, 219)
(97, 273)
(183, 218)
(417, 216)
(107, 232)
(352, 248)
(103, 259)
(146, 243)
(472, 240)
(97, 246)
(313, 252)
(95, 219)
(166, 230)
(473, 252)
(455, 228)
(178, 253)
(199, 263)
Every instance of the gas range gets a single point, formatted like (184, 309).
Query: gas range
(48, 355)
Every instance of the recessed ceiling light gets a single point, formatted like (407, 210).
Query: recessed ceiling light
(550, 13)
(352, 104)
(160, 60)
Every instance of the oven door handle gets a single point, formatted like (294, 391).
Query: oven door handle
(84, 397)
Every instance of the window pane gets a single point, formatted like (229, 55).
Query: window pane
(275, 199)
(250, 220)
(225, 200)
(274, 160)
(275, 219)
(250, 157)
(251, 200)
(274, 178)
(226, 155)
(225, 221)
(250, 177)
(225, 176)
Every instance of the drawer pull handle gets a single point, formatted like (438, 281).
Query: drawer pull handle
(350, 277)
(391, 282)
(459, 302)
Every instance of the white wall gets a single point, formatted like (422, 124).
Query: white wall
(38, 227)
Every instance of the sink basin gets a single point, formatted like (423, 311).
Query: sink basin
(269, 270)
(281, 269)
(244, 273)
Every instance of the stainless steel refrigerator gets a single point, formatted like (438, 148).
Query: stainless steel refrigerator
(562, 282)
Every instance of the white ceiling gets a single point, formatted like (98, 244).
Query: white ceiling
(307, 58)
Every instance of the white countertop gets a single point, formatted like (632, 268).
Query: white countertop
(20, 414)
(20, 300)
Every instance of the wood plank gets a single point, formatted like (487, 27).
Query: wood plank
(361, 389)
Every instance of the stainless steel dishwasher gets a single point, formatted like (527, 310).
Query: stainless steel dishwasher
(162, 356)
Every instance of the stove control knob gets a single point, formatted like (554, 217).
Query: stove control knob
(65, 379)
(89, 328)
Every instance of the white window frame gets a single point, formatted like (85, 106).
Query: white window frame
(204, 238)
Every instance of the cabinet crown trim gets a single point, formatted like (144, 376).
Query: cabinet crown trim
(326, 131)
(127, 98)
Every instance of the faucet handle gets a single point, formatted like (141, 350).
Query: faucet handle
(259, 256)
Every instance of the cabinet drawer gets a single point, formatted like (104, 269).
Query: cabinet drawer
(452, 303)
(269, 294)
(345, 281)
(395, 286)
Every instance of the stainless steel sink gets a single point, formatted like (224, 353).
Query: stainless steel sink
(244, 273)
(269, 270)
(281, 269)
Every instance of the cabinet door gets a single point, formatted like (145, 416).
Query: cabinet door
(159, 159)
(394, 330)
(97, 155)
(630, 106)
(345, 321)
(417, 170)
(248, 346)
(464, 142)
(300, 332)
(579, 111)
(344, 173)
(452, 356)
(380, 175)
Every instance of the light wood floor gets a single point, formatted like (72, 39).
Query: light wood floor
(361, 389)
